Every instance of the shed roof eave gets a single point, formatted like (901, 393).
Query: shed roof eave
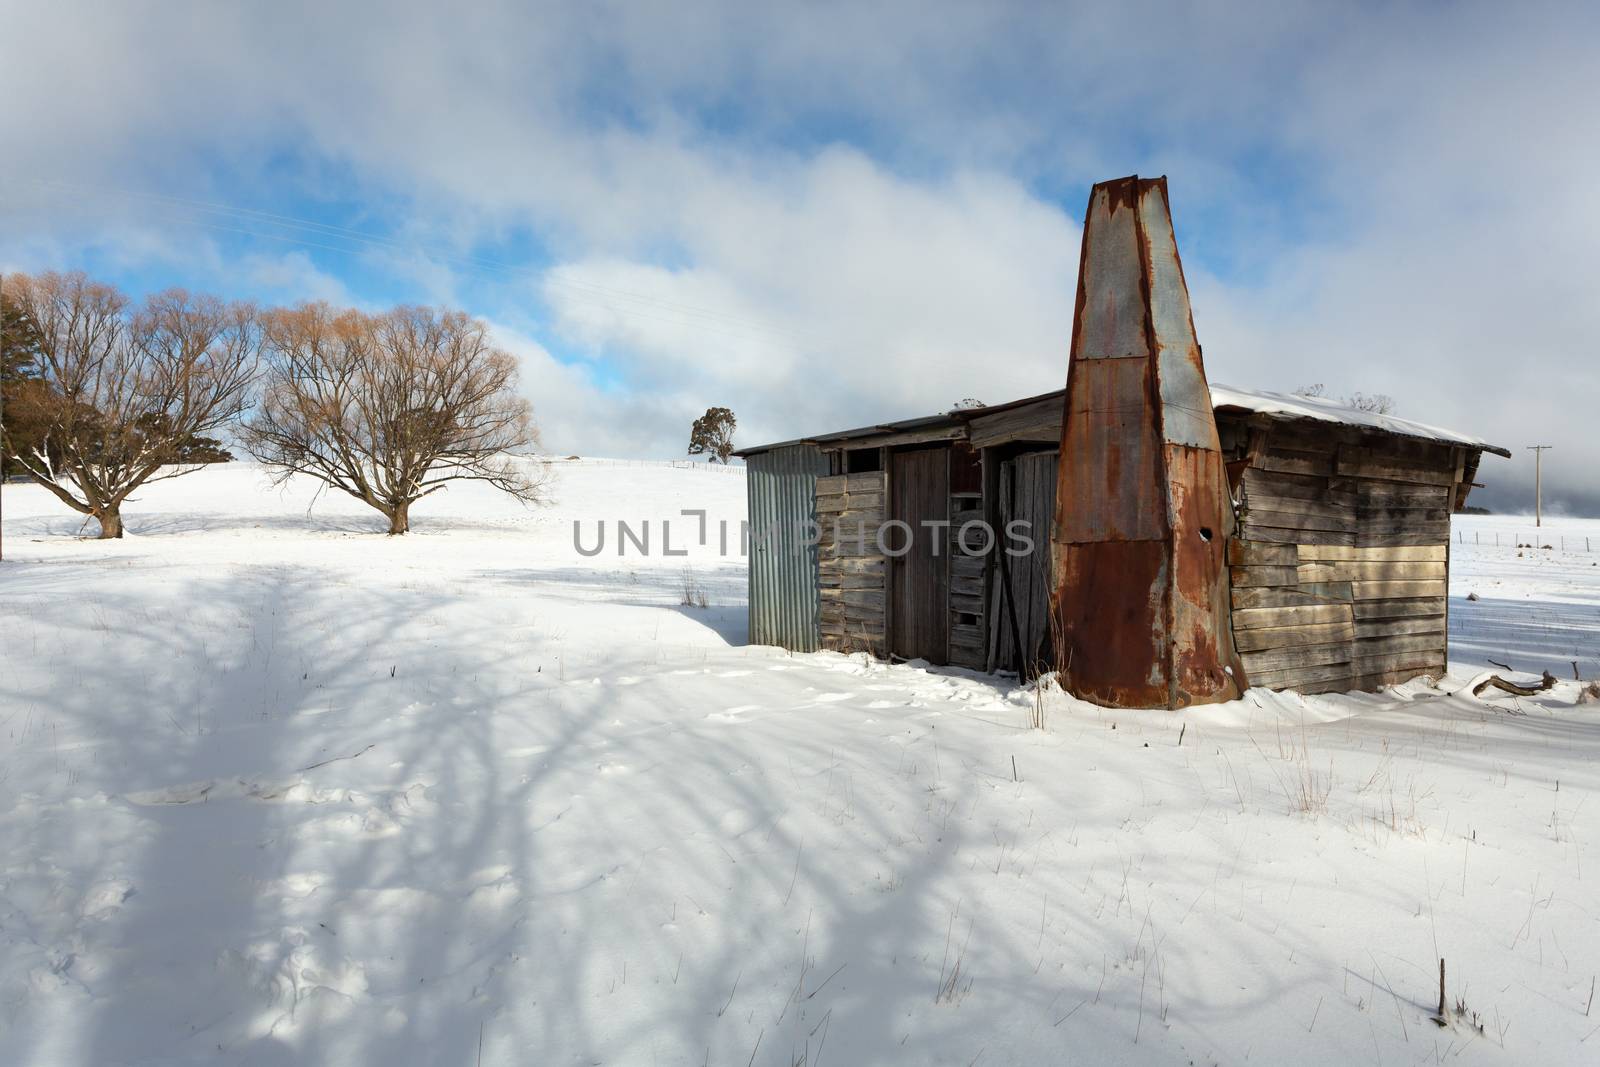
(1321, 409)
(1223, 398)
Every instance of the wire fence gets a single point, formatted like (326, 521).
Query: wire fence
(674, 464)
(1538, 539)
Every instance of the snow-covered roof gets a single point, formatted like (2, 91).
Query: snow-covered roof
(1322, 409)
(1276, 405)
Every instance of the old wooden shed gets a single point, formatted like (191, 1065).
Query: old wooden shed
(893, 539)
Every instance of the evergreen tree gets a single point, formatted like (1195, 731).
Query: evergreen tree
(22, 387)
(712, 435)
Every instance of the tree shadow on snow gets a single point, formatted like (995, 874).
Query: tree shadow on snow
(370, 825)
(1529, 635)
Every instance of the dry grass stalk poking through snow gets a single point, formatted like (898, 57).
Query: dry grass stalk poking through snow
(692, 593)
(1045, 687)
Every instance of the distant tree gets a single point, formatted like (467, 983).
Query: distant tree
(191, 449)
(120, 391)
(203, 450)
(21, 384)
(390, 408)
(1377, 403)
(712, 435)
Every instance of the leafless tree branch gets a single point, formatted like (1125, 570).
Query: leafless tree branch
(391, 407)
(124, 389)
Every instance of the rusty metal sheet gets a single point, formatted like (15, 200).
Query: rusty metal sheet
(1186, 413)
(1205, 665)
(1107, 629)
(1109, 485)
(1143, 508)
(1110, 322)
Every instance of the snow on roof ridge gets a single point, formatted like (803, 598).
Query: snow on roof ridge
(1325, 410)
(1282, 405)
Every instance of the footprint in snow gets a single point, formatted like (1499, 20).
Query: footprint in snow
(300, 885)
(732, 714)
(736, 822)
(106, 898)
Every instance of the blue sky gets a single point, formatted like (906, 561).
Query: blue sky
(825, 214)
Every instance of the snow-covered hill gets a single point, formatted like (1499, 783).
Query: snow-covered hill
(277, 789)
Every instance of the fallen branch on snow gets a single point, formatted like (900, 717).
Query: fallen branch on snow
(336, 759)
(1494, 680)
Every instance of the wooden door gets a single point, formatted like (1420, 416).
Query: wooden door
(1027, 494)
(919, 614)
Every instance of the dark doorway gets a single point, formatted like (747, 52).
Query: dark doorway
(1027, 498)
(919, 488)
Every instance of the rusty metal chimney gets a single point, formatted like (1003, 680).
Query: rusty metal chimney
(1143, 510)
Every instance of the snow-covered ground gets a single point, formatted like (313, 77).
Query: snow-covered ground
(277, 789)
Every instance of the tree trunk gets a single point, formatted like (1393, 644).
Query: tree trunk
(110, 523)
(399, 519)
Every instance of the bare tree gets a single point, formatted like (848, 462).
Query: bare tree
(121, 395)
(1377, 403)
(391, 407)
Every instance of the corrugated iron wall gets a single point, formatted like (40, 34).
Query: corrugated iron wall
(784, 582)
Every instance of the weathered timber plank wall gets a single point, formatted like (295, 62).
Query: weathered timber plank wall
(967, 560)
(1340, 565)
(851, 566)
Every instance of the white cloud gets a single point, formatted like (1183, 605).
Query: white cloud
(822, 215)
(575, 414)
(842, 295)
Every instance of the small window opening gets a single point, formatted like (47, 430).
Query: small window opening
(966, 618)
(863, 460)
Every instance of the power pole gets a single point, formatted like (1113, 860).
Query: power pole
(1538, 482)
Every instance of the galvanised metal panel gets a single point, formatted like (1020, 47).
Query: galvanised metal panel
(785, 589)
